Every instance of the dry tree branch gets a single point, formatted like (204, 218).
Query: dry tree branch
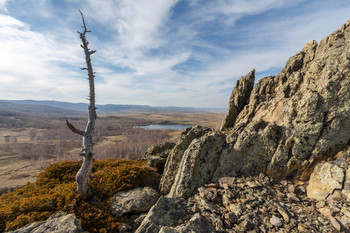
(83, 176)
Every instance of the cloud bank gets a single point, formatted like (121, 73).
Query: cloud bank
(159, 52)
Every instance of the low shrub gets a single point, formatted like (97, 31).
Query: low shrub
(55, 190)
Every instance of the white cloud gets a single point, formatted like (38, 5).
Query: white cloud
(147, 54)
(31, 64)
(139, 23)
(3, 6)
(233, 10)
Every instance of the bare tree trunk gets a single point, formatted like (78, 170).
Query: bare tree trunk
(83, 176)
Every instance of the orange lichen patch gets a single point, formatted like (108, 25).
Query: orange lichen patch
(55, 190)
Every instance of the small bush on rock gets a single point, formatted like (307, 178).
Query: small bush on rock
(55, 190)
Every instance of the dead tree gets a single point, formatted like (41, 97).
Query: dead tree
(83, 176)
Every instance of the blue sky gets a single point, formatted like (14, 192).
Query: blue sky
(154, 52)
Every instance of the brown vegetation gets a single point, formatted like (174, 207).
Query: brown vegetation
(55, 190)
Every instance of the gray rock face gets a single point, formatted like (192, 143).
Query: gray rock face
(299, 115)
(239, 98)
(173, 162)
(176, 215)
(166, 212)
(157, 155)
(288, 123)
(198, 165)
(197, 224)
(134, 201)
(58, 223)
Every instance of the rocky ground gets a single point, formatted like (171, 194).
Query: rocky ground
(248, 204)
(233, 204)
(259, 204)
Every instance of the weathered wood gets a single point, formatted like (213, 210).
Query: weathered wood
(83, 176)
(71, 127)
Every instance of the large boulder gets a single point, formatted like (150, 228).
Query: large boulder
(331, 179)
(137, 200)
(57, 223)
(174, 215)
(325, 178)
(198, 165)
(299, 116)
(174, 159)
(197, 224)
(166, 212)
(239, 98)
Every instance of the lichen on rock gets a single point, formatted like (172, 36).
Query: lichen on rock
(308, 101)
(174, 159)
(239, 98)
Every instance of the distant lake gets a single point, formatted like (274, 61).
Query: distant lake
(173, 127)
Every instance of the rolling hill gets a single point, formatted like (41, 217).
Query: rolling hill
(57, 108)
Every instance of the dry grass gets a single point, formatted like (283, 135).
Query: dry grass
(212, 120)
(17, 172)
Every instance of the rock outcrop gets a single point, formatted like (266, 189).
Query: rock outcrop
(167, 212)
(174, 215)
(299, 116)
(234, 180)
(198, 165)
(239, 98)
(174, 159)
(282, 127)
(197, 224)
(57, 223)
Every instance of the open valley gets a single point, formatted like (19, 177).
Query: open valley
(28, 144)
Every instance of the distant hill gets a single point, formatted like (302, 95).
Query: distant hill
(15, 108)
(57, 108)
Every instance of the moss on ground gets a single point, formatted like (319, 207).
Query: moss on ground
(55, 190)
